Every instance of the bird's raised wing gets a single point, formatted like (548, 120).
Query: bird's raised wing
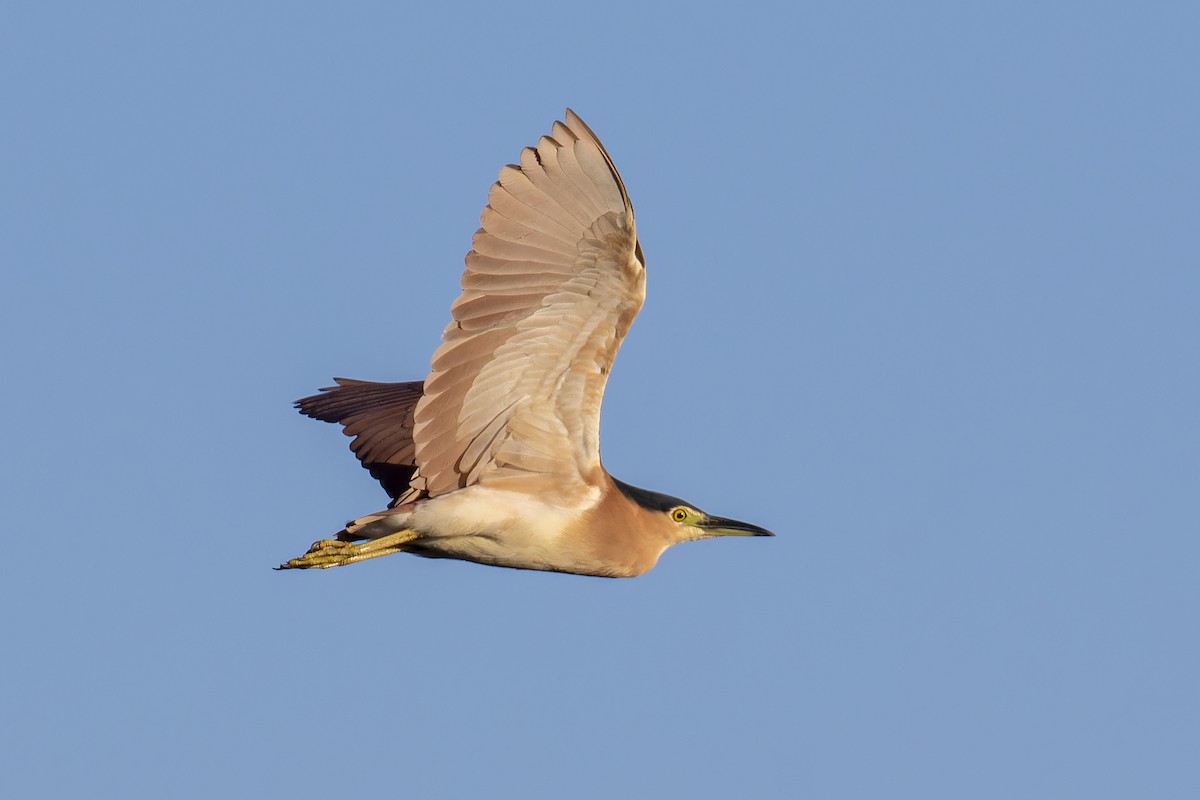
(553, 281)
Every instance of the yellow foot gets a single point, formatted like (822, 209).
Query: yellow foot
(333, 553)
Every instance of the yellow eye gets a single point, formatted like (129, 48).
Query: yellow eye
(679, 515)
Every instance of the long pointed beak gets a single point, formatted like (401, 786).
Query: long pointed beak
(720, 526)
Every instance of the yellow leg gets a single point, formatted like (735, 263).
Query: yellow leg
(333, 553)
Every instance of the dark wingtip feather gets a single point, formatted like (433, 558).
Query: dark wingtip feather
(379, 417)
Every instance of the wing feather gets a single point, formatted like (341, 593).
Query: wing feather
(554, 183)
(488, 245)
(379, 417)
(482, 266)
(552, 283)
(569, 164)
(539, 199)
(542, 236)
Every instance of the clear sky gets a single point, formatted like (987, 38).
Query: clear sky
(924, 298)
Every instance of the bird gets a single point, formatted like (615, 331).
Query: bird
(495, 457)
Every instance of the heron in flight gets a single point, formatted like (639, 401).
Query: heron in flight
(495, 456)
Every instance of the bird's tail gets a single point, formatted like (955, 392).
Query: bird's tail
(375, 526)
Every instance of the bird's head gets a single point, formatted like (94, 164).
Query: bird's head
(682, 521)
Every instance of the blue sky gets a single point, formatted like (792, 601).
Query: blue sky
(923, 298)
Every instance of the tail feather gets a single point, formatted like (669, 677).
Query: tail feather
(374, 526)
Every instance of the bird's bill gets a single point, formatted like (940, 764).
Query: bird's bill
(720, 526)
